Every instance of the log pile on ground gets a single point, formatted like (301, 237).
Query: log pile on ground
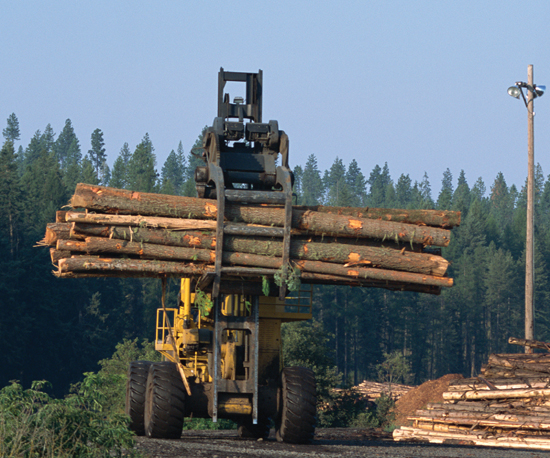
(122, 233)
(507, 405)
(374, 390)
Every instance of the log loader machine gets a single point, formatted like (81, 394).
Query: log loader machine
(221, 345)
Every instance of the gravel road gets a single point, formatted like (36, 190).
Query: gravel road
(330, 442)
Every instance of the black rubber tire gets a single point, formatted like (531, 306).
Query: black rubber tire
(298, 407)
(164, 402)
(247, 429)
(135, 395)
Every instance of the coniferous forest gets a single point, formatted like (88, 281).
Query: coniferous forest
(57, 329)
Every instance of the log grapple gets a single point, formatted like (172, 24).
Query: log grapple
(222, 344)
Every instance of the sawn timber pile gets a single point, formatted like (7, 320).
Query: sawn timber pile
(507, 405)
(122, 233)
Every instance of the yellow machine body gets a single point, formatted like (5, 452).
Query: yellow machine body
(185, 335)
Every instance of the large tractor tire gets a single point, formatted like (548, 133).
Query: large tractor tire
(135, 395)
(247, 429)
(164, 402)
(297, 410)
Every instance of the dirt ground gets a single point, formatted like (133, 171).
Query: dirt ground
(330, 442)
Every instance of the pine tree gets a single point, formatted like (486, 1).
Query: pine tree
(461, 196)
(97, 154)
(403, 191)
(172, 175)
(72, 169)
(65, 147)
(11, 202)
(479, 190)
(379, 182)
(88, 173)
(312, 184)
(47, 139)
(119, 177)
(357, 185)
(142, 175)
(444, 201)
(11, 132)
(338, 192)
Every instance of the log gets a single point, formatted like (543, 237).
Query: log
(104, 246)
(354, 255)
(507, 372)
(56, 255)
(529, 343)
(93, 266)
(512, 358)
(60, 216)
(124, 265)
(435, 218)
(483, 406)
(178, 224)
(58, 231)
(501, 384)
(205, 239)
(496, 394)
(475, 438)
(508, 418)
(97, 245)
(504, 421)
(530, 362)
(111, 200)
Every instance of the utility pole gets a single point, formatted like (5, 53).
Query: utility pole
(530, 239)
(533, 91)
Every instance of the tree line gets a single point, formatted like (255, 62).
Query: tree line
(57, 329)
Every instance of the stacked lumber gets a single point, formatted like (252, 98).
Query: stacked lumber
(508, 405)
(122, 233)
(374, 390)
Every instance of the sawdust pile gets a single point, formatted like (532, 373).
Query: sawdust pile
(417, 398)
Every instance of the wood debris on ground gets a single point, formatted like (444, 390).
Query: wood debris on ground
(507, 405)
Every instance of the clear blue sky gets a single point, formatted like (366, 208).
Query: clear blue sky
(420, 85)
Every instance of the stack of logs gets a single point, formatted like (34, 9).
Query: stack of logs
(122, 233)
(508, 405)
(374, 390)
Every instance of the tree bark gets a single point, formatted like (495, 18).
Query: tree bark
(177, 224)
(87, 264)
(300, 249)
(498, 394)
(529, 343)
(97, 245)
(58, 231)
(110, 200)
(435, 218)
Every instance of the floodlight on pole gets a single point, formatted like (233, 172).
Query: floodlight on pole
(533, 91)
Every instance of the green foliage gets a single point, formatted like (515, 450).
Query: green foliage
(265, 286)
(34, 424)
(381, 414)
(98, 157)
(207, 424)
(203, 302)
(311, 183)
(394, 369)
(340, 409)
(292, 278)
(108, 386)
(141, 172)
(11, 132)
